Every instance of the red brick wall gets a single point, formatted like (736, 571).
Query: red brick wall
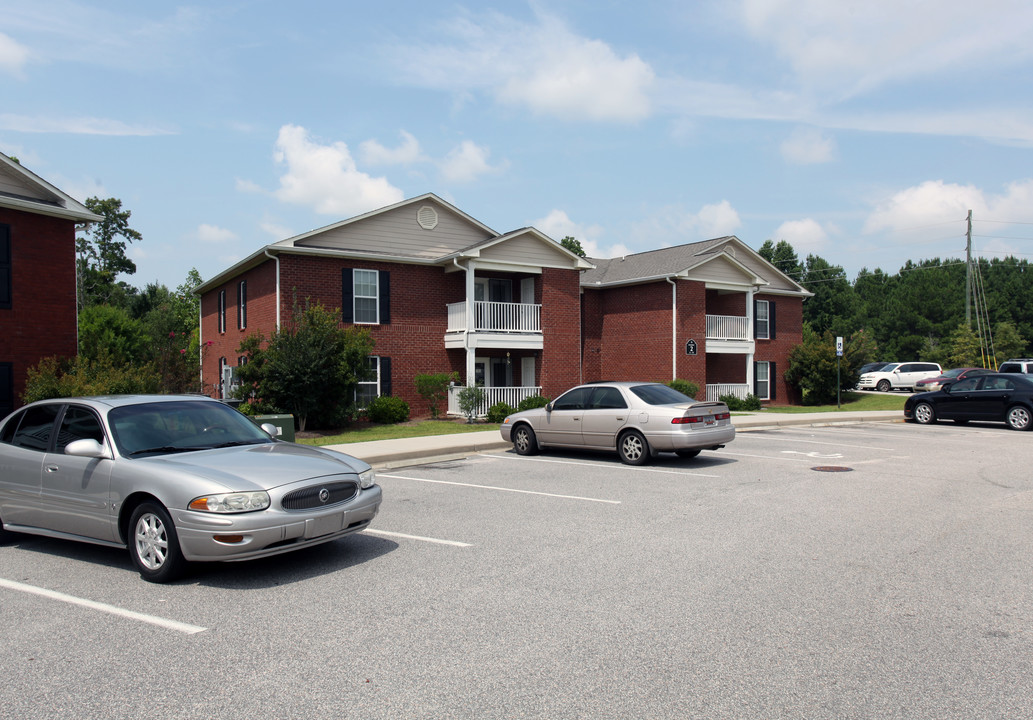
(414, 339)
(788, 334)
(42, 318)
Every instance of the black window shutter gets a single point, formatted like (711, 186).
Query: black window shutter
(385, 297)
(5, 267)
(756, 387)
(385, 375)
(6, 388)
(347, 298)
(771, 377)
(771, 320)
(242, 304)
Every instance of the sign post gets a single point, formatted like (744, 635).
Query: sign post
(839, 354)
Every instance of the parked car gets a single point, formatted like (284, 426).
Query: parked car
(174, 479)
(1018, 365)
(872, 367)
(953, 375)
(898, 376)
(637, 420)
(998, 397)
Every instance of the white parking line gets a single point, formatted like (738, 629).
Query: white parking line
(834, 444)
(607, 465)
(102, 607)
(436, 541)
(500, 489)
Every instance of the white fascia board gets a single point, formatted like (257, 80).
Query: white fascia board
(39, 208)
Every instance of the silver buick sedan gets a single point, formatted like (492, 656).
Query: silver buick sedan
(636, 419)
(174, 479)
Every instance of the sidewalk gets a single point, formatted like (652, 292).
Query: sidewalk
(383, 454)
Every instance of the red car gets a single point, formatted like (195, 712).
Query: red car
(935, 383)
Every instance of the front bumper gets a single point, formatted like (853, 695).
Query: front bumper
(271, 532)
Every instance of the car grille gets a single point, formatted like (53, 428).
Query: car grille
(319, 496)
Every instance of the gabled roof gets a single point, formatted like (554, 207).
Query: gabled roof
(22, 189)
(691, 259)
(424, 230)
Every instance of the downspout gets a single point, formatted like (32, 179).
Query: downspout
(276, 259)
(674, 328)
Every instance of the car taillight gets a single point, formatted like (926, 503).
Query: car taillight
(699, 418)
(685, 420)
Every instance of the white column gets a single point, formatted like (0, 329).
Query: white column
(749, 329)
(470, 350)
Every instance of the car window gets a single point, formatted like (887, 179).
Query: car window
(166, 427)
(571, 400)
(606, 398)
(966, 384)
(36, 427)
(78, 423)
(1010, 368)
(906, 368)
(657, 394)
(7, 435)
(997, 383)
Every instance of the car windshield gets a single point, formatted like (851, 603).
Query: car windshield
(953, 373)
(185, 426)
(656, 394)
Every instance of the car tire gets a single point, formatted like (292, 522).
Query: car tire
(687, 454)
(524, 440)
(1019, 417)
(924, 414)
(154, 544)
(633, 448)
(883, 386)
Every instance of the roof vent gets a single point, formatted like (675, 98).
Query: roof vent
(427, 217)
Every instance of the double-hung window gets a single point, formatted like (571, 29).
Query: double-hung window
(242, 305)
(366, 289)
(222, 311)
(762, 381)
(762, 321)
(368, 390)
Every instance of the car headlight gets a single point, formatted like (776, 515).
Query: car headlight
(231, 502)
(367, 479)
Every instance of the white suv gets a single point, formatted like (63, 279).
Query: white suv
(898, 376)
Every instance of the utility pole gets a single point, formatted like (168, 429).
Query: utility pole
(968, 272)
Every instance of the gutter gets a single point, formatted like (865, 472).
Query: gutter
(674, 328)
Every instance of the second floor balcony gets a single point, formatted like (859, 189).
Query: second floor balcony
(495, 324)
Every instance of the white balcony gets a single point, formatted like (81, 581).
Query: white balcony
(492, 395)
(714, 392)
(495, 325)
(728, 327)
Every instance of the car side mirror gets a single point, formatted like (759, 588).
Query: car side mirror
(270, 429)
(548, 408)
(88, 448)
(946, 387)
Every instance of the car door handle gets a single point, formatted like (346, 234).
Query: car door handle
(52, 468)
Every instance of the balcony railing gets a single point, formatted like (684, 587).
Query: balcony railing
(498, 317)
(728, 327)
(492, 395)
(714, 392)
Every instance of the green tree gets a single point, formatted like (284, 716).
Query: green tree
(783, 256)
(813, 364)
(962, 348)
(110, 331)
(573, 245)
(310, 368)
(1007, 342)
(101, 253)
(433, 387)
(834, 304)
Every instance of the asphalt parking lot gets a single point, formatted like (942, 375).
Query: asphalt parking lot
(868, 570)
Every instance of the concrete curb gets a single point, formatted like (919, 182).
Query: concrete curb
(388, 454)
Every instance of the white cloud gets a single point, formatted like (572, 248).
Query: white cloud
(13, 56)
(76, 126)
(558, 225)
(407, 153)
(931, 203)
(275, 229)
(325, 178)
(248, 186)
(853, 47)
(673, 225)
(806, 236)
(543, 66)
(214, 234)
(467, 162)
(808, 146)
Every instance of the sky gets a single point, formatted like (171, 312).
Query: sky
(862, 132)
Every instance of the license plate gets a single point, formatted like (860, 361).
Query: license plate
(314, 527)
(710, 421)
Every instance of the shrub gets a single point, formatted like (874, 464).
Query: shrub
(752, 402)
(433, 387)
(498, 412)
(79, 376)
(470, 399)
(532, 402)
(388, 410)
(685, 387)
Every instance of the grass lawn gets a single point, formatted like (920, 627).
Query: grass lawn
(398, 432)
(851, 401)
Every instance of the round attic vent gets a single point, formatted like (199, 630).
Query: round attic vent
(427, 217)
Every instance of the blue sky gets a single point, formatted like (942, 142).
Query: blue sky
(859, 131)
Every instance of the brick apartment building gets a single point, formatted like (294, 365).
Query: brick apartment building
(37, 275)
(515, 312)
